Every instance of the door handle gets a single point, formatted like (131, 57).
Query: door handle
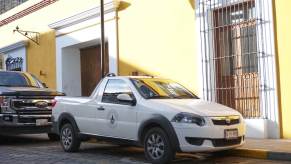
(101, 108)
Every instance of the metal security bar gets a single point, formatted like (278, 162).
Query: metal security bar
(6, 5)
(238, 55)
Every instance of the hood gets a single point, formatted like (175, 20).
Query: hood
(195, 106)
(28, 91)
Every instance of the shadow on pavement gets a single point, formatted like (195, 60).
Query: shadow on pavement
(12, 140)
(40, 143)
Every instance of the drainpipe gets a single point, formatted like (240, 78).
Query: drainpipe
(102, 39)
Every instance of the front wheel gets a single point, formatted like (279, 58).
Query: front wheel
(69, 138)
(157, 146)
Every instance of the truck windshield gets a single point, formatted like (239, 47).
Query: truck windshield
(18, 79)
(152, 88)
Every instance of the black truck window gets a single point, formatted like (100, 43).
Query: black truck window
(17, 79)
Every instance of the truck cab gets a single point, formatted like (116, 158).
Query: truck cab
(155, 113)
(25, 104)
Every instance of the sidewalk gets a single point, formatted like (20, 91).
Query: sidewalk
(272, 149)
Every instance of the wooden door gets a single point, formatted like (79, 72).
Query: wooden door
(91, 68)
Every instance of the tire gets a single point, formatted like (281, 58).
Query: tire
(69, 138)
(157, 147)
(53, 137)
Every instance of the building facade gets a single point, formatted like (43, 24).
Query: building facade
(234, 52)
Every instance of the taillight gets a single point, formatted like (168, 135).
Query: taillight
(4, 104)
(54, 103)
(1, 100)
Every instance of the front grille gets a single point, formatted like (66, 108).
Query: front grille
(35, 97)
(225, 122)
(32, 106)
(225, 142)
(216, 142)
(34, 112)
(31, 120)
(23, 104)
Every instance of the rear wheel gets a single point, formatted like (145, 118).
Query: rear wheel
(69, 138)
(158, 149)
(53, 137)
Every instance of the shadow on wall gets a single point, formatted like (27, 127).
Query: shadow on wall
(192, 3)
(123, 5)
(126, 69)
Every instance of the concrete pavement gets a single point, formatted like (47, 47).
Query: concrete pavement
(272, 149)
(35, 149)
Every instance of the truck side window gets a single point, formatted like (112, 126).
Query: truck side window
(113, 88)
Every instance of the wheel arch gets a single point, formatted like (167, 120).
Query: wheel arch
(163, 123)
(66, 118)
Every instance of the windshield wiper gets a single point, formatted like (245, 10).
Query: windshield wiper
(25, 86)
(160, 97)
(5, 85)
(184, 97)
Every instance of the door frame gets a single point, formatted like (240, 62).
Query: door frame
(269, 125)
(81, 30)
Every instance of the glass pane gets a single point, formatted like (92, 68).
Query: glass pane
(113, 89)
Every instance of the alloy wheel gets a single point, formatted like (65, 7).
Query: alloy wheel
(67, 138)
(155, 146)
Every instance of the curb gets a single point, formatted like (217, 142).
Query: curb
(260, 154)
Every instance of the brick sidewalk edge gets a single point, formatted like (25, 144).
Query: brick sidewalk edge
(260, 154)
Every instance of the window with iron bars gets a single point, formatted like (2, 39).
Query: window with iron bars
(237, 49)
(6, 5)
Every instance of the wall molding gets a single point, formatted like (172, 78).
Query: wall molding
(84, 16)
(13, 46)
(26, 11)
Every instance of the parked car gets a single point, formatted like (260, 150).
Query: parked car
(158, 114)
(25, 104)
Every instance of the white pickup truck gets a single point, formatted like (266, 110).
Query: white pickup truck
(158, 114)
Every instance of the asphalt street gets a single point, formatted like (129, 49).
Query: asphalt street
(37, 149)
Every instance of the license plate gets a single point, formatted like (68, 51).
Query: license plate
(230, 134)
(41, 122)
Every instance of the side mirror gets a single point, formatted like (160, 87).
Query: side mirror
(126, 98)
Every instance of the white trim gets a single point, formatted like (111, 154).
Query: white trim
(83, 30)
(268, 70)
(270, 123)
(15, 50)
(13, 47)
(84, 16)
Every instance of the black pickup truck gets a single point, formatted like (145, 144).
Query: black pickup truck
(25, 104)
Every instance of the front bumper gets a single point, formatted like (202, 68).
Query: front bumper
(193, 138)
(22, 124)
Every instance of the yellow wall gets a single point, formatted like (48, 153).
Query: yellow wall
(42, 57)
(157, 37)
(283, 26)
(41, 60)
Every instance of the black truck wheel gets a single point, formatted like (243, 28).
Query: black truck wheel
(158, 149)
(69, 138)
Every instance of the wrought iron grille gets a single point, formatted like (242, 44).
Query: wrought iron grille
(6, 5)
(238, 55)
(14, 64)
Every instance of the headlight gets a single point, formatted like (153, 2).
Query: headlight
(189, 118)
(4, 105)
